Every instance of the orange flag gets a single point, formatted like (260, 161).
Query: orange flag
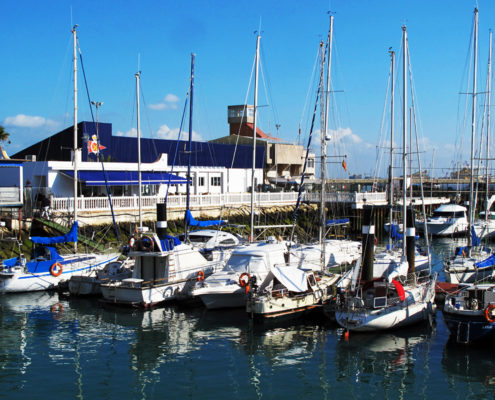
(344, 165)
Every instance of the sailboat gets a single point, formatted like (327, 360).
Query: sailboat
(473, 262)
(165, 269)
(402, 295)
(47, 268)
(298, 287)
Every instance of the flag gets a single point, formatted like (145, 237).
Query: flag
(93, 146)
(344, 165)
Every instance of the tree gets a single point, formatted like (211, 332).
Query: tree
(4, 135)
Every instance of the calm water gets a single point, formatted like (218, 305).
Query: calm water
(75, 348)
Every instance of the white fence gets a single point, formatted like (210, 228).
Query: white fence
(173, 201)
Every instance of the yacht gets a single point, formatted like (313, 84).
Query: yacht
(447, 220)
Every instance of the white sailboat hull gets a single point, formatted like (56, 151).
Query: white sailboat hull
(18, 280)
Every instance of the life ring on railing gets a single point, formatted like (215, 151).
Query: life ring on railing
(57, 311)
(132, 242)
(244, 279)
(146, 243)
(488, 312)
(56, 269)
(201, 276)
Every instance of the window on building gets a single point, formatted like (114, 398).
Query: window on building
(215, 181)
(201, 181)
(311, 162)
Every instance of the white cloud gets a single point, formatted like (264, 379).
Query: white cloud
(164, 132)
(130, 133)
(29, 121)
(169, 102)
(344, 135)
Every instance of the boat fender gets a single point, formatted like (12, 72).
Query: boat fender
(201, 276)
(244, 279)
(56, 269)
(132, 242)
(489, 313)
(146, 243)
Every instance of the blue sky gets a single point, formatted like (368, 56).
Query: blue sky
(36, 70)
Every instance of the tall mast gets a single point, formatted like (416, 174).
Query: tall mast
(404, 133)
(75, 151)
(324, 135)
(188, 189)
(472, 206)
(138, 127)
(391, 167)
(251, 236)
(488, 117)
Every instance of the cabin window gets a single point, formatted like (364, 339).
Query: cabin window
(227, 242)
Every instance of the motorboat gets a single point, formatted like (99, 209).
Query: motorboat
(89, 285)
(164, 270)
(447, 220)
(226, 288)
(47, 268)
(470, 313)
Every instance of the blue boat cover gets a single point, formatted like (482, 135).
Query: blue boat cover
(475, 240)
(97, 178)
(192, 222)
(487, 262)
(169, 242)
(70, 236)
(341, 221)
(394, 234)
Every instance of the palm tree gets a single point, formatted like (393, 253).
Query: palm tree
(4, 135)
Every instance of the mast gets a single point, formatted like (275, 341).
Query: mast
(324, 135)
(138, 127)
(189, 145)
(472, 206)
(404, 132)
(75, 151)
(488, 115)
(391, 167)
(251, 236)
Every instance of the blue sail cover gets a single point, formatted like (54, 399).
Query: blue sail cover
(342, 221)
(476, 241)
(70, 236)
(169, 242)
(487, 262)
(395, 235)
(192, 222)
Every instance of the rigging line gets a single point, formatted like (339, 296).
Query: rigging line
(177, 144)
(299, 196)
(243, 114)
(98, 154)
(310, 88)
(268, 91)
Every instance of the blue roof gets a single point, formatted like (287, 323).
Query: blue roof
(97, 178)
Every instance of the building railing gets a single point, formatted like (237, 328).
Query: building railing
(173, 201)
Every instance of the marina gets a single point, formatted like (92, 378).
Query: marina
(177, 351)
(174, 247)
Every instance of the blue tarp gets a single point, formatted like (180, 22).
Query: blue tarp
(192, 222)
(475, 240)
(97, 178)
(487, 262)
(341, 221)
(169, 242)
(70, 236)
(394, 234)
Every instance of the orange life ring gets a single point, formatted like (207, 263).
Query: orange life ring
(488, 312)
(201, 276)
(244, 279)
(146, 243)
(56, 269)
(57, 311)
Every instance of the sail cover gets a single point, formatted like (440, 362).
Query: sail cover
(294, 279)
(192, 222)
(400, 289)
(70, 236)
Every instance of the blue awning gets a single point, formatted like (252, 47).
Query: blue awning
(97, 178)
